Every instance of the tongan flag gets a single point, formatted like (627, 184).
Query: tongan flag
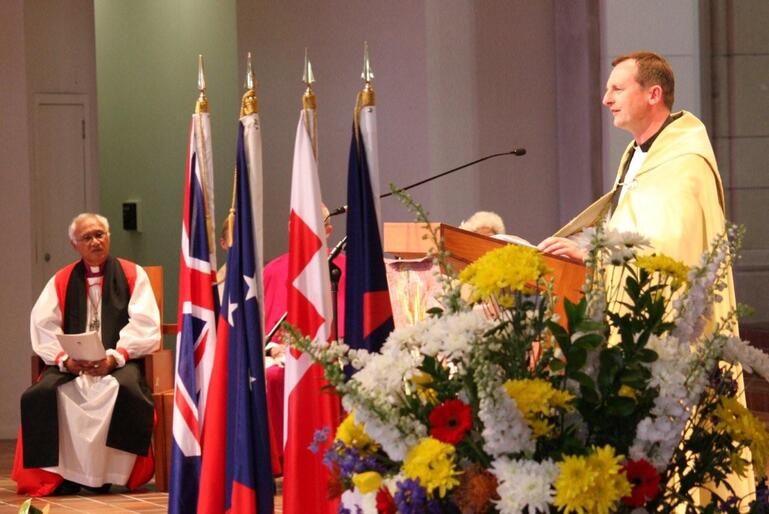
(236, 474)
(368, 316)
(196, 339)
(308, 407)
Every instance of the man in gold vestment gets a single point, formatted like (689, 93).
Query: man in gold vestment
(667, 187)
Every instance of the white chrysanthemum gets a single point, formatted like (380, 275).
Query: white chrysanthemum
(384, 373)
(452, 336)
(505, 431)
(524, 483)
(387, 433)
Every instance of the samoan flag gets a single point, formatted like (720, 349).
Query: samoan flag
(236, 474)
(197, 314)
(368, 316)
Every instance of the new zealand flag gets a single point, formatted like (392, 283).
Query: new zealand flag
(236, 475)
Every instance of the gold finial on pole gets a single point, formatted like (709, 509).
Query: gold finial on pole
(250, 103)
(366, 96)
(202, 103)
(308, 100)
(368, 74)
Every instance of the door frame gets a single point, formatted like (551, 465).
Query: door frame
(91, 179)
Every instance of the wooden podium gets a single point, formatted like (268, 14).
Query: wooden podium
(406, 240)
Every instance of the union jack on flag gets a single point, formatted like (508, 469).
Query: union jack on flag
(197, 314)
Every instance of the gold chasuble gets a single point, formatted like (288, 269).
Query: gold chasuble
(677, 201)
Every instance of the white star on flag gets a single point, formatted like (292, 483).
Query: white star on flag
(231, 309)
(251, 283)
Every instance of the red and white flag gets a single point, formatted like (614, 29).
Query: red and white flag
(308, 406)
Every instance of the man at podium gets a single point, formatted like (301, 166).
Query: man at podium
(667, 187)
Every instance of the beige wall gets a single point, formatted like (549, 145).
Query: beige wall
(739, 84)
(147, 75)
(46, 46)
(455, 80)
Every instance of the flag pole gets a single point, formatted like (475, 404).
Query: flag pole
(201, 106)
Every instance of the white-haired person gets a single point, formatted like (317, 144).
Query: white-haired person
(486, 223)
(84, 423)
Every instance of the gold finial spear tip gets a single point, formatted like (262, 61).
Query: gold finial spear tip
(249, 103)
(201, 75)
(308, 78)
(368, 73)
(202, 104)
(250, 76)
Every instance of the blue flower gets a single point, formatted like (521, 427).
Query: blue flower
(319, 437)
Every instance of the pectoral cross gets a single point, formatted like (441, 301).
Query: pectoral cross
(94, 325)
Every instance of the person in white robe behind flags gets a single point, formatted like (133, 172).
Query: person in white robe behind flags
(86, 422)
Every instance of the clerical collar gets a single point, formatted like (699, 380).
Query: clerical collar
(94, 271)
(648, 143)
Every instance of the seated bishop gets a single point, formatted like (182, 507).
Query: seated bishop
(84, 423)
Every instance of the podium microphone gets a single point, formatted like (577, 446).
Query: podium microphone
(335, 212)
(518, 152)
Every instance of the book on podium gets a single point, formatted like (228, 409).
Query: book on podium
(407, 241)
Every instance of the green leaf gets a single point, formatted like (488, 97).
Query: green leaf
(434, 311)
(631, 376)
(620, 406)
(560, 335)
(582, 379)
(647, 355)
(576, 359)
(557, 365)
(575, 312)
(589, 341)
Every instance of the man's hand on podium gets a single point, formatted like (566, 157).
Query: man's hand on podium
(562, 247)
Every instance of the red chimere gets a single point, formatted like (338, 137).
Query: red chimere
(450, 421)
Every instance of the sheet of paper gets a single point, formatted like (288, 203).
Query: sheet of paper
(86, 346)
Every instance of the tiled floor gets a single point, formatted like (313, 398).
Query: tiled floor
(120, 501)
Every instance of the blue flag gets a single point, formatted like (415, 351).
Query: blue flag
(236, 474)
(368, 316)
(197, 314)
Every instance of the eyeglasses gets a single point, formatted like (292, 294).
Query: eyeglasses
(97, 235)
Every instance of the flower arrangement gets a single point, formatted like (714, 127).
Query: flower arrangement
(620, 407)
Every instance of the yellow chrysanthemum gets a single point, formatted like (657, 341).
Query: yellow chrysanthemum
(742, 426)
(502, 271)
(354, 435)
(432, 462)
(594, 484)
(628, 392)
(428, 395)
(537, 398)
(367, 482)
(665, 266)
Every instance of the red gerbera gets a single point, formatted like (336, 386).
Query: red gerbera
(384, 502)
(645, 482)
(450, 421)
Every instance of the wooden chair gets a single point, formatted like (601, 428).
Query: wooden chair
(159, 373)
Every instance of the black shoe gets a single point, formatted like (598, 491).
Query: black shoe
(66, 488)
(102, 489)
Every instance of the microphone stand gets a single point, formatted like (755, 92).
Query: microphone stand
(335, 273)
(517, 152)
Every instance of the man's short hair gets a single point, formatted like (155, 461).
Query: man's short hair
(480, 219)
(84, 216)
(653, 70)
